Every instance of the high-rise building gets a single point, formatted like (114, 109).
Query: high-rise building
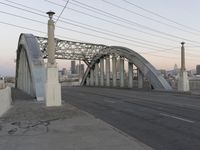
(198, 69)
(73, 67)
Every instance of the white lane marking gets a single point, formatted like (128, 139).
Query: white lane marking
(178, 118)
(110, 101)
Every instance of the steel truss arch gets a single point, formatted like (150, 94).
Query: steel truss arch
(153, 76)
(30, 69)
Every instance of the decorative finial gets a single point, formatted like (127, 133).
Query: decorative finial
(50, 13)
(182, 43)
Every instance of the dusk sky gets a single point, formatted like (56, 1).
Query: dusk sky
(153, 28)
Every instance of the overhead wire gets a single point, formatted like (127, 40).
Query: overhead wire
(88, 29)
(30, 29)
(158, 15)
(115, 23)
(62, 11)
(38, 21)
(146, 17)
(130, 22)
(101, 29)
(65, 28)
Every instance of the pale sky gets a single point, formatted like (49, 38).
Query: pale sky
(133, 22)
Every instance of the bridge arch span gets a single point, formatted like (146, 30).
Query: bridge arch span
(30, 69)
(152, 75)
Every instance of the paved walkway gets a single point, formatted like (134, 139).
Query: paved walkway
(29, 125)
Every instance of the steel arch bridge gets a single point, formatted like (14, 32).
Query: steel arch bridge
(31, 73)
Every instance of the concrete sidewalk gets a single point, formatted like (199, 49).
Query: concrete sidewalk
(29, 125)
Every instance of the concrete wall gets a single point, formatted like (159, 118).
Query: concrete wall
(75, 83)
(5, 100)
(2, 84)
(194, 84)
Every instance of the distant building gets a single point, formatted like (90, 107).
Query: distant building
(73, 67)
(176, 70)
(198, 69)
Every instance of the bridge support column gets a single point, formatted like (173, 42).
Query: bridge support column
(92, 77)
(140, 79)
(121, 72)
(96, 74)
(108, 71)
(114, 71)
(183, 82)
(130, 75)
(102, 71)
(52, 87)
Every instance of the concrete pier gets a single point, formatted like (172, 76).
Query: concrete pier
(183, 82)
(108, 71)
(114, 71)
(52, 86)
(130, 75)
(121, 72)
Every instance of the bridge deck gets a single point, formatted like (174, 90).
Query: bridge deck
(167, 121)
(29, 125)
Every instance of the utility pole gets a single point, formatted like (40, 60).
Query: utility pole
(52, 86)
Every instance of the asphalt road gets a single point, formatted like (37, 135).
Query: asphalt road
(164, 121)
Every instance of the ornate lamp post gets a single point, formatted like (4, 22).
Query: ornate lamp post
(52, 86)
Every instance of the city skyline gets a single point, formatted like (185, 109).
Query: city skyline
(133, 16)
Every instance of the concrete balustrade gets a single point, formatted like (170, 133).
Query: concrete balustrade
(5, 100)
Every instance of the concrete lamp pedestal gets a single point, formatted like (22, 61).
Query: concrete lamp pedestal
(183, 82)
(53, 88)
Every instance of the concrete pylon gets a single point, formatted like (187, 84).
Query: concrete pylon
(130, 74)
(102, 71)
(114, 71)
(121, 72)
(52, 86)
(183, 82)
(140, 79)
(108, 71)
(96, 74)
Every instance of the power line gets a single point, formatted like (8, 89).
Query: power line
(128, 21)
(62, 11)
(149, 18)
(110, 34)
(64, 28)
(81, 27)
(22, 27)
(43, 12)
(115, 23)
(11, 14)
(172, 57)
(30, 29)
(70, 29)
(23, 9)
(158, 15)
(87, 24)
